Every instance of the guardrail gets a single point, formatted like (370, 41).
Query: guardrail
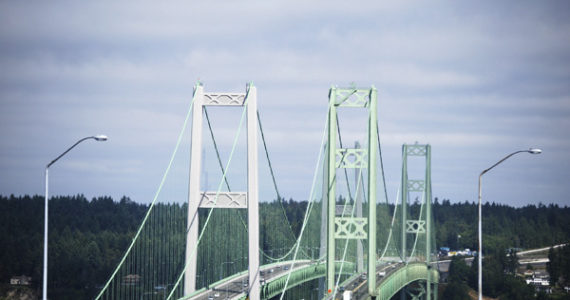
(405, 275)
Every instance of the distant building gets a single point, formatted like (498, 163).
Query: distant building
(529, 273)
(539, 280)
(21, 280)
(541, 274)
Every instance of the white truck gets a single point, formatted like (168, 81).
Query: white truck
(347, 295)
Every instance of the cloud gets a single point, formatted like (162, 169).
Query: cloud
(473, 79)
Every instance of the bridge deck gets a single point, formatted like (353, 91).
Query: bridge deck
(391, 278)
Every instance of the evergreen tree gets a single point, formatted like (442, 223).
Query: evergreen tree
(553, 266)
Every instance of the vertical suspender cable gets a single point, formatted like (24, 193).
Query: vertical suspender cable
(307, 211)
(215, 199)
(151, 206)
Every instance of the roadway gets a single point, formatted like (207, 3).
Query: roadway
(526, 252)
(359, 286)
(237, 287)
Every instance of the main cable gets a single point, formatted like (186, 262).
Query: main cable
(307, 211)
(279, 198)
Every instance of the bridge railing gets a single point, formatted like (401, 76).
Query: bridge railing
(404, 276)
(298, 276)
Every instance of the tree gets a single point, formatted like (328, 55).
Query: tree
(456, 291)
(515, 288)
(512, 262)
(458, 275)
(553, 266)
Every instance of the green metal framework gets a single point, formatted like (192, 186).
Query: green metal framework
(351, 158)
(403, 277)
(423, 225)
(299, 276)
(302, 275)
(386, 289)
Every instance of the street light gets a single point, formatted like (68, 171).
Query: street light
(480, 253)
(99, 138)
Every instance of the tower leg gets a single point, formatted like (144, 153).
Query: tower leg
(372, 150)
(194, 193)
(324, 205)
(252, 194)
(331, 190)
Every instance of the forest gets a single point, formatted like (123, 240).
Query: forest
(88, 237)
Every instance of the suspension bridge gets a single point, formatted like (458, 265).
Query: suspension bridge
(227, 243)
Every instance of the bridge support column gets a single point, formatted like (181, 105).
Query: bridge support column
(324, 225)
(252, 194)
(217, 199)
(351, 227)
(194, 192)
(422, 226)
(331, 191)
(429, 231)
(372, 150)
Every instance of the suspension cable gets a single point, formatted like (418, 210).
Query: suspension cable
(347, 240)
(267, 156)
(417, 234)
(153, 201)
(307, 211)
(274, 182)
(279, 198)
(386, 192)
(216, 147)
(215, 199)
(345, 171)
(382, 165)
(392, 227)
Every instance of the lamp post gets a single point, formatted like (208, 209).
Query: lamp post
(97, 138)
(480, 234)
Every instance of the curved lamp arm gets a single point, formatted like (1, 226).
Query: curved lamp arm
(99, 138)
(531, 151)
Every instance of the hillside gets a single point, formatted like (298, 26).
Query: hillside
(87, 237)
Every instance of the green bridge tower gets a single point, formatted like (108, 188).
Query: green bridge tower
(339, 158)
(419, 230)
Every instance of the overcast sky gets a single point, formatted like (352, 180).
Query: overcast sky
(475, 80)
